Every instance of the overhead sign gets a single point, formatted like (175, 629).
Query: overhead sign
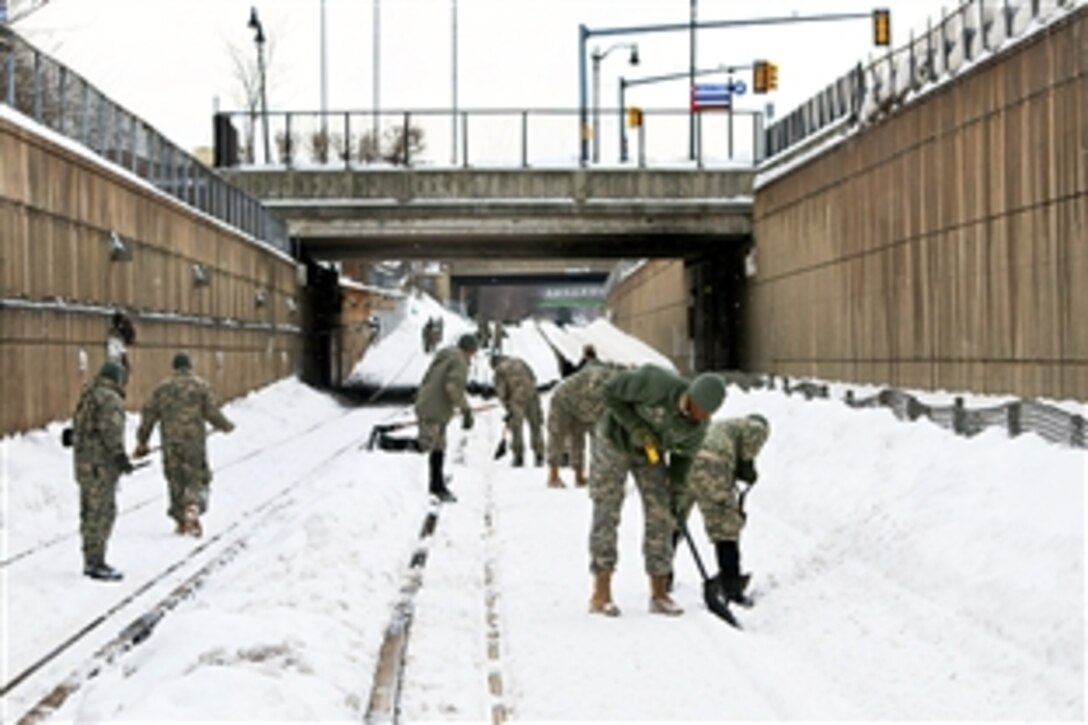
(711, 96)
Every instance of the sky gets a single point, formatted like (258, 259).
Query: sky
(900, 573)
(169, 60)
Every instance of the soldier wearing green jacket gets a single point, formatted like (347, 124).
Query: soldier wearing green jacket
(728, 454)
(180, 406)
(441, 392)
(99, 460)
(653, 425)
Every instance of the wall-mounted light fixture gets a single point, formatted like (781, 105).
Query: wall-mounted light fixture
(260, 297)
(200, 276)
(120, 250)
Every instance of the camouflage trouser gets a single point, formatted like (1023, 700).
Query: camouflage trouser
(718, 505)
(566, 432)
(520, 413)
(607, 473)
(432, 435)
(97, 511)
(187, 477)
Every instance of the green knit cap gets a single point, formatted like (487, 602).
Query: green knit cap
(182, 361)
(707, 391)
(112, 370)
(468, 343)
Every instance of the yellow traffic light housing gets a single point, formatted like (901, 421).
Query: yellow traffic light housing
(764, 76)
(759, 77)
(634, 117)
(882, 27)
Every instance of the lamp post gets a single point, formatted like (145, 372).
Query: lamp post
(597, 57)
(258, 38)
(324, 80)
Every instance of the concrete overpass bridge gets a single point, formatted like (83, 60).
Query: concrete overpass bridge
(511, 214)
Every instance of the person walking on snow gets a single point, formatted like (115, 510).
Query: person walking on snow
(576, 405)
(99, 461)
(440, 393)
(653, 426)
(515, 386)
(727, 455)
(181, 405)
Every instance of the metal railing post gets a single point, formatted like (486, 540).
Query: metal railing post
(464, 139)
(524, 139)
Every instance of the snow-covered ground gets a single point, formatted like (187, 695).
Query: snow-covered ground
(901, 572)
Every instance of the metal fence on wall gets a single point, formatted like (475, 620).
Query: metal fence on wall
(50, 93)
(1016, 418)
(959, 39)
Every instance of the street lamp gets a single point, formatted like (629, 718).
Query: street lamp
(258, 38)
(597, 57)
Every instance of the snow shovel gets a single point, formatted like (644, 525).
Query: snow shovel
(379, 431)
(500, 450)
(712, 590)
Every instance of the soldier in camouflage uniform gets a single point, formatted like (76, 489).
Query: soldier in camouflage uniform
(576, 406)
(181, 405)
(515, 386)
(442, 391)
(728, 454)
(99, 431)
(649, 412)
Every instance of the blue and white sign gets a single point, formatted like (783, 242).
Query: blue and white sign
(738, 88)
(711, 95)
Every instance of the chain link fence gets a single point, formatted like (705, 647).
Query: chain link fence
(53, 95)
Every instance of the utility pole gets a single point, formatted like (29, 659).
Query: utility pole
(258, 38)
(453, 65)
(691, 81)
(324, 79)
(376, 130)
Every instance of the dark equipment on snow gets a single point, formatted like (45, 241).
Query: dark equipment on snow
(712, 590)
(379, 434)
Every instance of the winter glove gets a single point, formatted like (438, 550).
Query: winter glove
(746, 471)
(466, 419)
(141, 450)
(124, 463)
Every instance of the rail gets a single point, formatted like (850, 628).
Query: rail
(50, 93)
(945, 49)
(485, 138)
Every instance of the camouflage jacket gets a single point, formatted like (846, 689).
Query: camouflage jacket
(99, 427)
(647, 400)
(712, 481)
(180, 405)
(443, 386)
(582, 394)
(515, 382)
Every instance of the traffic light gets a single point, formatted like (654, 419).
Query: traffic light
(764, 76)
(772, 76)
(882, 27)
(634, 117)
(759, 77)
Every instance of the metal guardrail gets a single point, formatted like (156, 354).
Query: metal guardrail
(1017, 417)
(485, 138)
(870, 90)
(50, 93)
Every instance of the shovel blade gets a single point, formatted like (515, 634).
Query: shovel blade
(717, 603)
(500, 450)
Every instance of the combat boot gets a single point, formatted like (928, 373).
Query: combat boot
(580, 479)
(539, 460)
(601, 601)
(660, 602)
(519, 460)
(102, 572)
(191, 522)
(733, 589)
(554, 481)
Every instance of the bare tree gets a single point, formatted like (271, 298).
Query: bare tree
(247, 73)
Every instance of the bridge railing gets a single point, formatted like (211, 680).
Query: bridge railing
(486, 137)
(960, 39)
(57, 97)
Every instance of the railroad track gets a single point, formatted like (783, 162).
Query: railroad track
(146, 606)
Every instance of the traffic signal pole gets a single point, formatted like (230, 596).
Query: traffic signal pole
(584, 34)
